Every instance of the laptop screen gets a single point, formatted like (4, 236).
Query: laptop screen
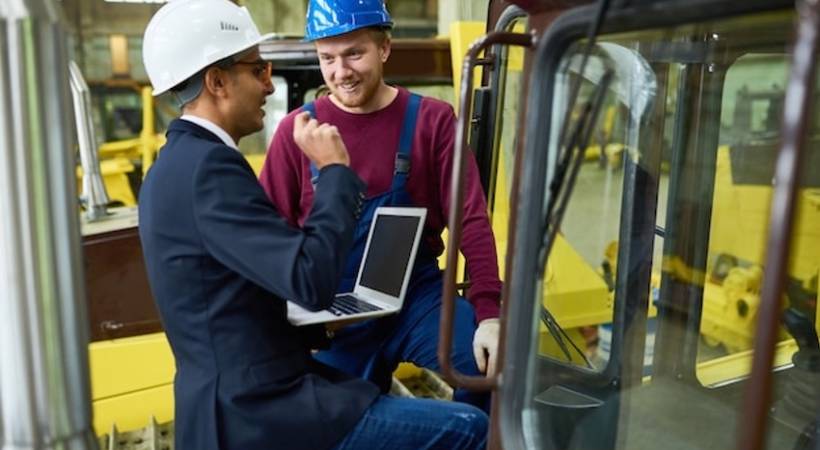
(389, 253)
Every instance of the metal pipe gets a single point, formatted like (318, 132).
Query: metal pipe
(456, 212)
(94, 194)
(44, 383)
(797, 110)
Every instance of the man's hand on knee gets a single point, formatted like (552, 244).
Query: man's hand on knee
(485, 345)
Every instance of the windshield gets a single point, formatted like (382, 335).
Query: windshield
(654, 274)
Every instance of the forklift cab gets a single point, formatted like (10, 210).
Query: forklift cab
(676, 226)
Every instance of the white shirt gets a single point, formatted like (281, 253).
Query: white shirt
(213, 128)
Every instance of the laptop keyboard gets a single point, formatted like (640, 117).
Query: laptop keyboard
(344, 305)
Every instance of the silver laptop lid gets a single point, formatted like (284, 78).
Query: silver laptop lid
(392, 243)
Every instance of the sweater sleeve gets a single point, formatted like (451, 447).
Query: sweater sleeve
(477, 241)
(281, 175)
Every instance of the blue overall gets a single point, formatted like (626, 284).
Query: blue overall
(372, 349)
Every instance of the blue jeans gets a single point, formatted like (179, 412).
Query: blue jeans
(372, 349)
(400, 423)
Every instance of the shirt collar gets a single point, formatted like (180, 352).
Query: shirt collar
(213, 128)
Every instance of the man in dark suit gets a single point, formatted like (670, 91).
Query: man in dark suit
(221, 261)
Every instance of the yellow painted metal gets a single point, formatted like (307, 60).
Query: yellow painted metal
(256, 160)
(501, 213)
(676, 268)
(406, 370)
(131, 379)
(150, 141)
(574, 293)
(129, 364)
(131, 411)
(143, 148)
(547, 346)
(730, 309)
(817, 305)
(115, 176)
(740, 222)
(462, 35)
(739, 229)
(127, 148)
(515, 56)
(738, 365)
(117, 158)
(613, 152)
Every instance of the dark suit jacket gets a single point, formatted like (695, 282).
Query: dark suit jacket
(220, 261)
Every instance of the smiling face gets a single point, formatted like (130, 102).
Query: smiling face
(352, 67)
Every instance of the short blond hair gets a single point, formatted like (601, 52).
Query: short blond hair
(379, 34)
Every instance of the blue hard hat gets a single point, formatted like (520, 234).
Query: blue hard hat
(326, 18)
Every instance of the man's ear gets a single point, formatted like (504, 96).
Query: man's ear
(384, 49)
(215, 81)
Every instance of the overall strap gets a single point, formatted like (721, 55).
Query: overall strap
(408, 130)
(314, 172)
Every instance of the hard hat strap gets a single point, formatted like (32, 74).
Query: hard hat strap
(191, 88)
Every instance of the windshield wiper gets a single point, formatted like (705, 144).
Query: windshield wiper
(552, 222)
(569, 165)
(579, 139)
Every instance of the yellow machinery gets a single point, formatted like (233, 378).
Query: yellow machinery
(738, 236)
(144, 147)
(117, 158)
(131, 381)
(115, 176)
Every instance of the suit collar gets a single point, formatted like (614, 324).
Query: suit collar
(213, 128)
(185, 126)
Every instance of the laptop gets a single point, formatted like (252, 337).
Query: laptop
(384, 272)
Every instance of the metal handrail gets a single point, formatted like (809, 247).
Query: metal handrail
(796, 118)
(456, 205)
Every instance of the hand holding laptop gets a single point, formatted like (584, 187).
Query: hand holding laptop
(384, 272)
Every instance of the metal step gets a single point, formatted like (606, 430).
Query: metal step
(153, 437)
(424, 384)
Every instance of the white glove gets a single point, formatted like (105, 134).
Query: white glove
(485, 345)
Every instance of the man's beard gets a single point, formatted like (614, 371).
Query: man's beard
(364, 94)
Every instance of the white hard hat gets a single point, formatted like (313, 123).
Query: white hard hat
(186, 36)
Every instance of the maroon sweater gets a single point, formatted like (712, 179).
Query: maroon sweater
(372, 141)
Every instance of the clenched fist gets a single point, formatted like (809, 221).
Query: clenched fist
(321, 143)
